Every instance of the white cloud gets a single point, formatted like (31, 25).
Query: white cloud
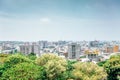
(45, 20)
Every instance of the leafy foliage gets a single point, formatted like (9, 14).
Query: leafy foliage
(32, 56)
(101, 64)
(112, 67)
(12, 60)
(3, 57)
(88, 71)
(15, 59)
(23, 71)
(70, 69)
(1, 69)
(55, 66)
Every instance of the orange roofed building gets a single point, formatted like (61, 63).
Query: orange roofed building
(115, 48)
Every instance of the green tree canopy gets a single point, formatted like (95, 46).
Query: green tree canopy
(112, 67)
(12, 60)
(3, 57)
(23, 71)
(32, 56)
(88, 71)
(54, 65)
(16, 59)
(101, 63)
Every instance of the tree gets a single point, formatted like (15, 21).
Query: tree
(112, 67)
(1, 69)
(88, 71)
(101, 64)
(12, 60)
(70, 69)
(23, 71)
(16, 59)
(3, 57)
(55, 66)
(32, 56)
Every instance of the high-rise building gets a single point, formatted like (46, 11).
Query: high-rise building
(94, 43)
(43, 44)
(36, 49)
(74, 51)
(27, 49)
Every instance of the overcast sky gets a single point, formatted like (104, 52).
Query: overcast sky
(32, 20)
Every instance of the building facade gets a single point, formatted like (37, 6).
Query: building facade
(74, 51)
(116, 48)
(43, 44)
(36, 49)
(27, 49)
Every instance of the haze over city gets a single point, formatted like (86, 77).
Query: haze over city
(32, 20)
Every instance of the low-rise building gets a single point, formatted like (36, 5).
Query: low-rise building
(92, 55)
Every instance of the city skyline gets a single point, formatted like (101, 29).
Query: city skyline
(53, 20)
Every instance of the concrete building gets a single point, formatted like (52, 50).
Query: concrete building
(115, 48)
(109, 49)
(94, 43)
(36, 49)
(43, 44)
(112, 49)
(92, 55)
(27, 49)
(74, 51)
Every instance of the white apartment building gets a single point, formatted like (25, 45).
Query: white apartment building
(74, 51)
(27, 49)
(36, 49)
(43, 44)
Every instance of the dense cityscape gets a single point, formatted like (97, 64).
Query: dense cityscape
(81, 50)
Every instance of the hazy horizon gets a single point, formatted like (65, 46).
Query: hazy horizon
(53, 20)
